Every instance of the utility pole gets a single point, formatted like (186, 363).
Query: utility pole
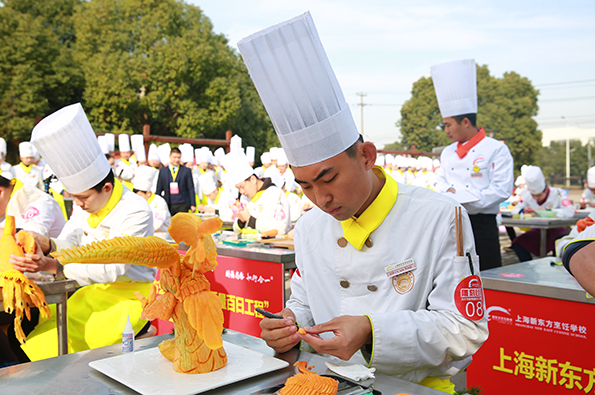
(362, 104)
(567, 156)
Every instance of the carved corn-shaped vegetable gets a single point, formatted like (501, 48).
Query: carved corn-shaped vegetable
(18, 292)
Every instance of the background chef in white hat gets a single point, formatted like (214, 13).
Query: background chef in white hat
(220, 200)
(127, 158)
(142, 184)
(104, 209)
(267, 208)
(588, 198)
(359, 231)
(32, 209)
(4, 165)
(250, 153)
(153, 157)
(26, 171)
(539, 196)
(474, 162)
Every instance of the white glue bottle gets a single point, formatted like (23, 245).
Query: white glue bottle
(128, 337)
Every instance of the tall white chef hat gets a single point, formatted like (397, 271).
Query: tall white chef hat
(400, 161)
(123, 143)
(143, 178)
(520, 180)
(153, 152)
(138, 146)
(379, 160)
(110, 138)
(103, 144)
(281, 157)
(7, 174)
(456, 87)
(2, 146)
(389, 159)
(250, 151)
(265, 158)
(68, 144)
(436, 163)
(164, 150)
(237, 167)
(235, 143)
(202, 156)
(210, 157)
(274, 154)
(187, 153)
(219, 154)
(591, 177)
(300, 92)
(534, 179)
(207, 183)
(25, 149)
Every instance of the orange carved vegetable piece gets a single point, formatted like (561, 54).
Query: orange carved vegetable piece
(302, 331)
(307, 382)
(270, 233)
(18, 292)
(183, 228)
(27, 242)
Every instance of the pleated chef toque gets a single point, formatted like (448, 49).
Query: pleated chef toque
(26, 149)
(110, 138)
(455, 84)
(153, 154)
(237, 167)
(143, 178)
(138, 146)
(235, 144)
(123, 143)
(163, 151)
(534, 179)
(103, 144)
(250, 151)
(187, 153)
(68, 144)
(299, 90)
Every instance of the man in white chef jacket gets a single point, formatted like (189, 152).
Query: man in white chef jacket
(474, 163)
(143, 182)
(376, 266)
(26, 171)
(104, 209)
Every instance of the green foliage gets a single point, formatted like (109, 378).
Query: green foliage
(159, 63)
(470, 391)
(552, 161)
(396, 146)
(37, 72)
(506, 105)
(130, 63)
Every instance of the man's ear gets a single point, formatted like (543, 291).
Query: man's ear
(369, 154)
(108, 187)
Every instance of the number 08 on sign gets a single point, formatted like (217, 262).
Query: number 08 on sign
(469, 298)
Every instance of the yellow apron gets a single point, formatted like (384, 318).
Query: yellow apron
(96, 318)
(444, 385)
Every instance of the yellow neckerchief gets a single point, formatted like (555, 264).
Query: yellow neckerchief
(357, 230)
(149, 200)
(257, 196)
(128, 185)
(202, 171)
(218, 196)
(286, 193)
(174, 174)
(133, 158)
(26, 169)
(95, 219)
(17, 185)
(126, 162)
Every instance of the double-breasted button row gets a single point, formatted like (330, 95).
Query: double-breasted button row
(345, 284)
(342, 242)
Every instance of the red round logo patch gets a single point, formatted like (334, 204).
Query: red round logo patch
(31, 212)
(469, 298)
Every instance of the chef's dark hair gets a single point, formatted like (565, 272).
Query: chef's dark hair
(109, 179)
(175, 150)
(352, 151)
(471, 117)
(4, 182)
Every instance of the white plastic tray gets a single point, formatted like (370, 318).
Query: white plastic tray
(148, 372)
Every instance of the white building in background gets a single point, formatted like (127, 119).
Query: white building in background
(569, 132)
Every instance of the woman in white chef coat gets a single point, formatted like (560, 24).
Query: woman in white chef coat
(538, 196)
(104, 209)
(377, 277)
(26, 171)
(220, 200)
(268, 209)
(143, 181)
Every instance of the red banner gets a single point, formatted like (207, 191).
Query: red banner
(243, 285)
(536, 345)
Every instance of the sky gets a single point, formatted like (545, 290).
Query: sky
(381, 47)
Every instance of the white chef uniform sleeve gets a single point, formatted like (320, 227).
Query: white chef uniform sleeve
(501, 180)
(276, 214)
(441, 185)
(137, 222)
(160, 213)
(298, 303)
(407, 340)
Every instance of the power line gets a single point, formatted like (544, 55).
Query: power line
(565, 83)
(569, 99)
(362, 104)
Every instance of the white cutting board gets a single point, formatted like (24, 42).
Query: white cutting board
(148, 372)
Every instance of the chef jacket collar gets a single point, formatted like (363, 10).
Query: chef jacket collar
(464, 148)
(96, 218)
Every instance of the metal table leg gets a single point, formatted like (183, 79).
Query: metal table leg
(62, 326)
(543, 243)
